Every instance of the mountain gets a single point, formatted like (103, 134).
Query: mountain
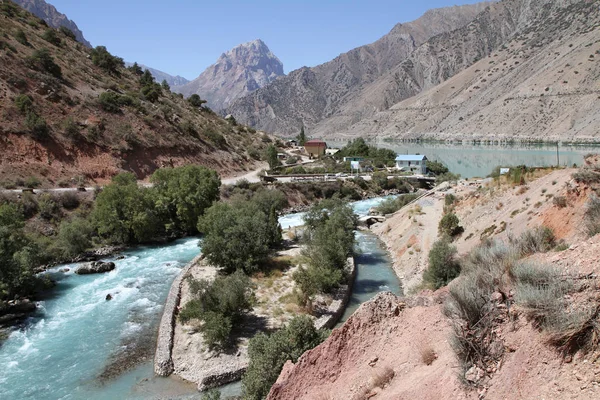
(50, 14)
(309, 95)
(536, 81)
(163, 76)
(240, 71)
(68, 111)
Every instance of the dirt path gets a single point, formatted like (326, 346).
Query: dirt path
(251, 176)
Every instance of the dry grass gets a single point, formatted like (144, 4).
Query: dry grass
(382, 377)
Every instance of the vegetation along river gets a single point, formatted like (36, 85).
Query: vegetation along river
(78, 345)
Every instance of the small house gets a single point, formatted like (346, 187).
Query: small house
(412, 162)
(315, 148)
(281, 156)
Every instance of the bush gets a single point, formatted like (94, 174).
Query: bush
(67, 32)
(268, 354)
(21, 38)
(50, 36)
(32, 182)
(449, 200)
(219, 305)
(559, 201)
(151, 92)
(110, 102)
(291, 160)
(42, 60)
(71, 128)
(436, 167)
(449, 225)
(216, 138)
(443, 266)
(592, 216)
(103, 59)
(390, 206)
(24, 103)
(447, 177)
(69, 200)
(47, 206)
(37, 125)
(538, 240)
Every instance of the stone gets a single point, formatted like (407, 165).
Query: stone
(474, 374)
(108, 297)
(95, 267)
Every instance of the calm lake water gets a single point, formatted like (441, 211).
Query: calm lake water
(474, 160)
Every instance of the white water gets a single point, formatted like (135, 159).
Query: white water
(61, 351)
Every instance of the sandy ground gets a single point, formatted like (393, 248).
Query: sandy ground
(251, 176)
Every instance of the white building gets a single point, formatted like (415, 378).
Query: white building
(412, 162)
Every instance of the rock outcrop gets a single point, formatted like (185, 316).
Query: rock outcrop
(240, 71)
(95, 267)
(52, 16)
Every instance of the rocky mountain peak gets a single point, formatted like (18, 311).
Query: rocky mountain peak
(239, 71)
(52, 16)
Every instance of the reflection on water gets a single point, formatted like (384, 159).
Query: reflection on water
(474, 160)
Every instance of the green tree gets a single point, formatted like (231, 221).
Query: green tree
(196, 101)
(103, 59)
(165, 85)
(238, 235)
(36, 125)
(125, 213)
(436, 167)
(24, 103)
(74, 237)
(271, 156)
(151, 92)
(19, 255)
(301, 136)
(443, 266)
(21, 38)
(184, 193)
(146, 79)
(219, 305)
(67, 32)
(136, 69)
(268, 354)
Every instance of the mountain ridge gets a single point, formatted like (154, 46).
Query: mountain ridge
(52, 16)
(237, 72)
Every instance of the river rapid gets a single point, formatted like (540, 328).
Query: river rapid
(78, 345)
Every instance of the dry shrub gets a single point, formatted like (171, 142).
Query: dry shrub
(559, 201)
(383, 376)
(428, 355)
(592, 216)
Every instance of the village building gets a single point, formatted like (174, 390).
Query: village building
(315, 148)
(353, 158)
(412, 163)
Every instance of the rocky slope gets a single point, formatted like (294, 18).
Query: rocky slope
(309, 95)
(240, 71)
(55, 125)
(539, 84)
(52, 16)
(401, 348)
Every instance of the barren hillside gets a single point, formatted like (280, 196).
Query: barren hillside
(541, 84)
(67, 111)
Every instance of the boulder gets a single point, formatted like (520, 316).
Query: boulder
(95, 267)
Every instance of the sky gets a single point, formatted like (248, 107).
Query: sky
(183, 37)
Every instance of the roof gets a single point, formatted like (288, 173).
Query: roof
(410, 157)
(315, 142)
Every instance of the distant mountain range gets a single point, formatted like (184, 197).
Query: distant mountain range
(541, 55)
(241, 70)
(160, 75)
(53, 18)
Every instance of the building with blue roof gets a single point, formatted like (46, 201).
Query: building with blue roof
(412, 163)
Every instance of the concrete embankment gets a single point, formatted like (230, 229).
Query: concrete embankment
(163, 363)
(340, 300)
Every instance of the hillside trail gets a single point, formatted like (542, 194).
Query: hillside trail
(251, 176)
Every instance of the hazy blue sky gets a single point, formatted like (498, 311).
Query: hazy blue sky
(183, 37)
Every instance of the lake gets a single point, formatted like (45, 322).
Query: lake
(478, 160)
